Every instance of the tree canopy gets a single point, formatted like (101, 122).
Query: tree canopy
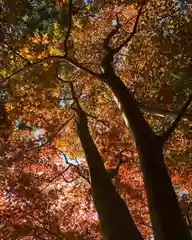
(95, 119)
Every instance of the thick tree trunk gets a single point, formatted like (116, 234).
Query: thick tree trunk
(166, 217)
(115, 219)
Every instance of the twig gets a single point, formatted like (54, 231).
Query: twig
(171, 129)
(53, 136)
(54, 178)
(77, 167)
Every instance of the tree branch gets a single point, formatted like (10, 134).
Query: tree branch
(17, 54)
(157, 111)
(114, 31)
(84, 69)
(123, 96)
(54, 178)
(55, 58)
(78, 167)
(52, 137)
(109, 37)
(69, 27)
(171, 129)
(133, 31)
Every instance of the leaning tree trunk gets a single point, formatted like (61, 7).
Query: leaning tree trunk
(115, 219)
(166, 216)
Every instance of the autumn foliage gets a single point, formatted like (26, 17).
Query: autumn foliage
(46, 48)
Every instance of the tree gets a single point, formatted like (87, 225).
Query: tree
(157, 181)
(52, 77)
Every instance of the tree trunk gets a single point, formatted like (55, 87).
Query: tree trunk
(115, 219)
(166, 217)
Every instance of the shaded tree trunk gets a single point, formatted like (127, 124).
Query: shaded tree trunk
(166, 217)
(115, 219)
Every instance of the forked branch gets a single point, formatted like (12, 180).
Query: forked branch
(133, 31)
